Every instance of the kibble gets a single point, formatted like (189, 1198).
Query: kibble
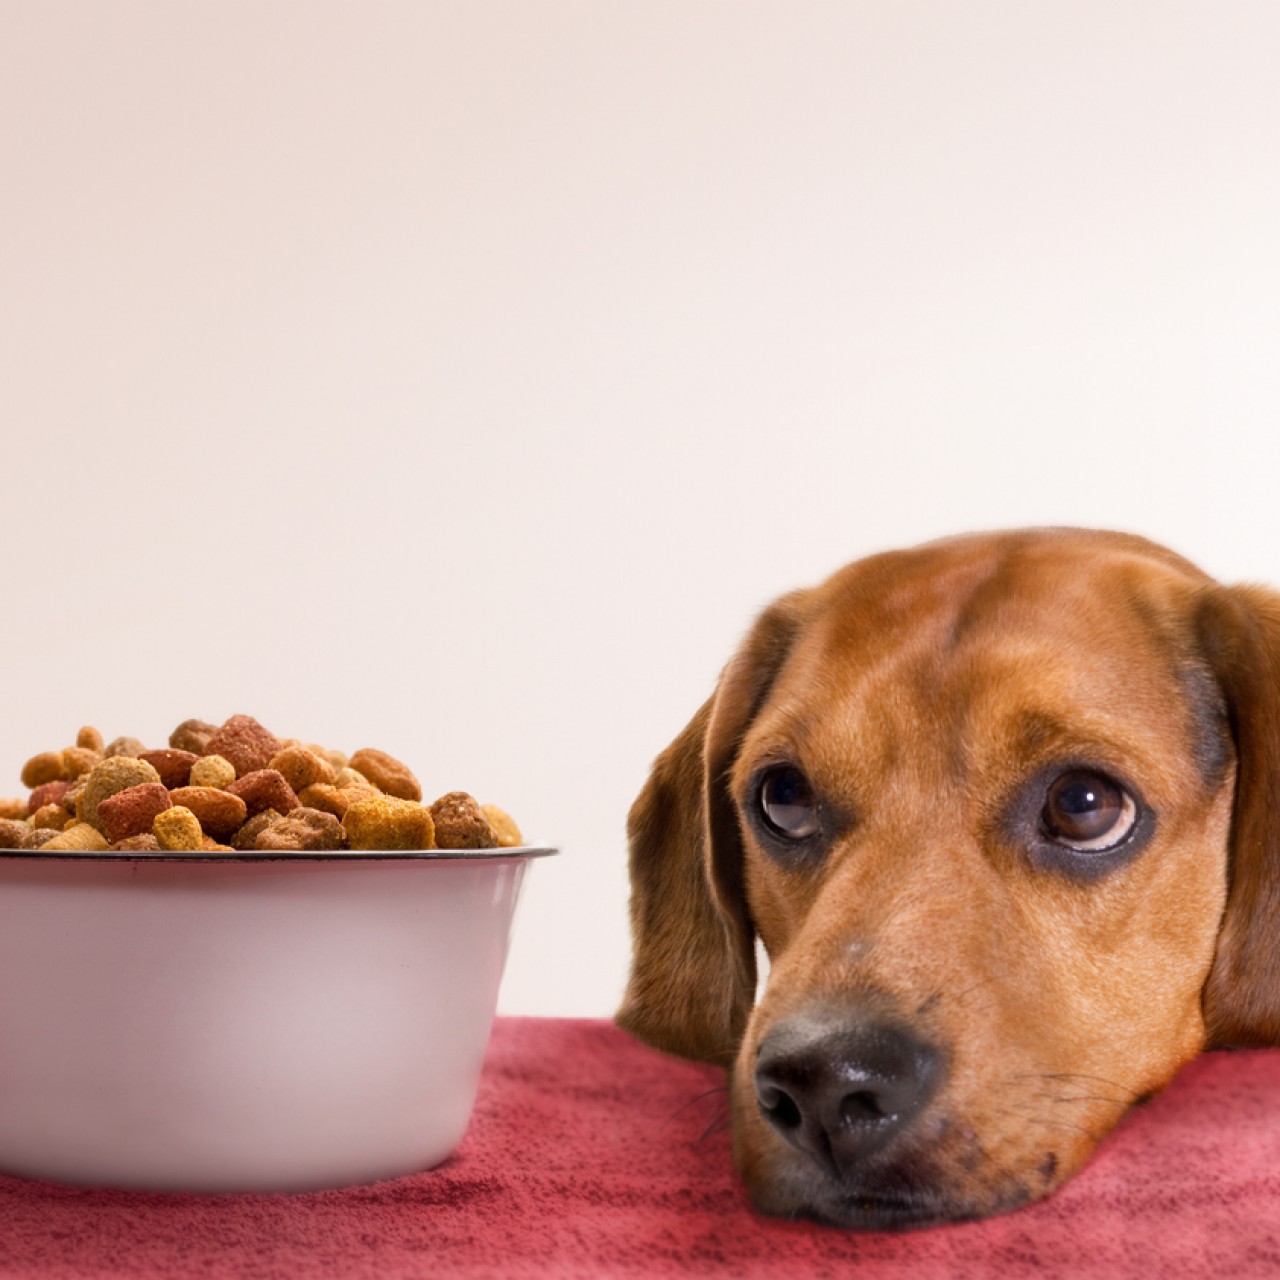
(132, 811)
(385, 822)
(212, 771)
(300, 767)
(219, 812)
(193, 736)
(460, 824)
(243, 741)
(173, 765)
(178, 829)
(235, 788)
(115, 773)
(264, 789)
(303, 830)
(386, 773)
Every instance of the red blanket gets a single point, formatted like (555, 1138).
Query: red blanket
(590, 1155)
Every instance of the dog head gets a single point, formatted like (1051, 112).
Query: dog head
(1002, 812)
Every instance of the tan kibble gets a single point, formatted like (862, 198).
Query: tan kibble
(48, 766)
(212, 771)
(301, 768)
(133, 747)
(13, 834)
(80, 838)
(334, 800)
(383, 822)
(77, 761)
(38, 839)
(15, 810)
(115, 773)
(90, 739)
(49, 817)
(177, 829)
(349, 777)
(386, 773)
(504, 826)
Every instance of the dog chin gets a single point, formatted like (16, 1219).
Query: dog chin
(894, 1201)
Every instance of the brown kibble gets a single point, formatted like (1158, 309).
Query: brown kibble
(109, 776)
(193, 736)
(15, 810)
(209, 845)
(173, 766)
(49, 793)
(49, 817)
(132, 811)
(131, 747)
(177, 829)
(212, 771)
(90, 739)
(77, 761)
(13, 833)
(264, 789)
(386, 773)
(244, 742)
(301, 768)
(48, 766)
(246, 834)
(460, 824)
(38, 838)
(144, 843)
(80, 838)
(384, 822)
(219, 812)
(304, 830)
(504, 826)
(334, 800)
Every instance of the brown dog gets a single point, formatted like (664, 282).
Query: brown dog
(1004, 811)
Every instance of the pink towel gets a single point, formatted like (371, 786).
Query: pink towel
(592, 1156)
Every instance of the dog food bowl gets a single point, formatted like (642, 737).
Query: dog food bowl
(203, 1022)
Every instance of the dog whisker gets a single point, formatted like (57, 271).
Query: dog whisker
(698, 1097)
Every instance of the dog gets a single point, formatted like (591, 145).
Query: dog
(1004, 812)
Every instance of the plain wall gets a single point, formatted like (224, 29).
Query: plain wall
(461, 379)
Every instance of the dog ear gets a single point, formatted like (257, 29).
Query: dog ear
(1240, 633)
(693, 971)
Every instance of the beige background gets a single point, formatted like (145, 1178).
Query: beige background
(460, 379)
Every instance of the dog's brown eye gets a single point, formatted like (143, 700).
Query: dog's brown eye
(1088, 812)
(787, 803)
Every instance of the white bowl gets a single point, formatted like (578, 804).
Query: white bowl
(199, 1022)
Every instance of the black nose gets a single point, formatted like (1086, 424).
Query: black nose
(840, 1091)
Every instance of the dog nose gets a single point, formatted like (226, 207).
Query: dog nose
(841, 1092)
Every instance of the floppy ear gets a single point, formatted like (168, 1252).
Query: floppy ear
(1240, 633)
(693, 970)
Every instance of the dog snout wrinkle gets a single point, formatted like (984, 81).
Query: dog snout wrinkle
(842, 1091)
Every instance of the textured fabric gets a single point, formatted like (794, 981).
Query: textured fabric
(592, 1156)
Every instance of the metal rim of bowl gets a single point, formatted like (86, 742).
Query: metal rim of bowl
(308, 855)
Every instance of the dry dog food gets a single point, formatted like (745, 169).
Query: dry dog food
(236, 787)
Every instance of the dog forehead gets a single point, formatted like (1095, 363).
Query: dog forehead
(996, 626)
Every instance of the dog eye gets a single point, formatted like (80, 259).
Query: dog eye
(787, 803)
(1088, 812)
